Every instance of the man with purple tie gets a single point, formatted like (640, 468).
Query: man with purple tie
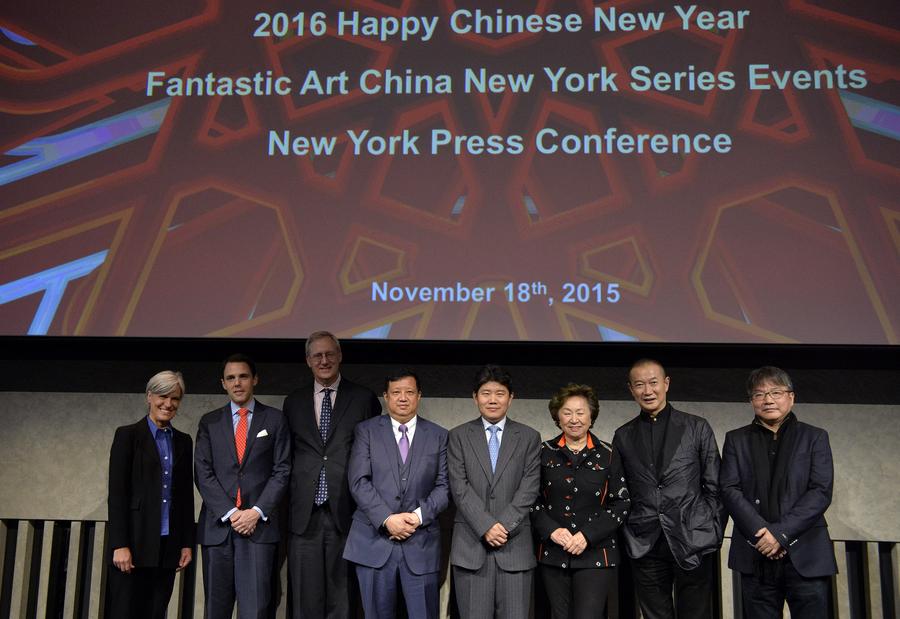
(398, 478)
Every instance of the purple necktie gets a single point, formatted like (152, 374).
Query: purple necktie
(404, 443)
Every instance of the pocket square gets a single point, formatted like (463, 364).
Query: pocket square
(262, 433)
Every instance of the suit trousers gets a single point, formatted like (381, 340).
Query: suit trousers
(806, 597)
(238, 570)
(378, 589)
(491, 592)
(654, 576)
(578, 593)
(321, 584)
(142, 594)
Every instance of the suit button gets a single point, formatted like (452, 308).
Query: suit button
(756, 501)
(324, 457)
(397, 497)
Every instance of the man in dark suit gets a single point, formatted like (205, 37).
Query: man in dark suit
(322, 418)
(242, 466)
(494, 466)
(776, 479)
(676, 523)
(151, 505)
(398, 478)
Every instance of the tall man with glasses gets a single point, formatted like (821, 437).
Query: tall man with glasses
(322, 417)
(776, 482)
(676, 523)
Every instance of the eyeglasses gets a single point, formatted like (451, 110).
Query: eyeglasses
(322, 356)
(775, 394)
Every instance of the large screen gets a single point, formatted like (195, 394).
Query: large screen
(553, 171)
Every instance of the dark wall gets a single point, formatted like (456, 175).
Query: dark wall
(700, 372)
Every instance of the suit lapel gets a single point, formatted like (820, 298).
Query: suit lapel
(259, 422)
(673, 439)
(224, 428)
(478, 443)
(507, 447)
(178, 448)
(342, 397)
(389, 447)
(308, 418)
(149, 445)
(417, 447)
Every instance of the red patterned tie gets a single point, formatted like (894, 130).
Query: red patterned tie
(240, 443)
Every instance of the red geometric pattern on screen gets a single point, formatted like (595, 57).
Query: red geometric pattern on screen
(324, 206)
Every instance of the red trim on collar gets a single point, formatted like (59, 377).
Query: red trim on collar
(562, 441)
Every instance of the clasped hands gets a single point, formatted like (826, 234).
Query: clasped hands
(243, 521)
(497, 535)
(573, 544)
(768, 545)
(401, 526)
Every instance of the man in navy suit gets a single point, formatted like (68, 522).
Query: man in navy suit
(242, 467)
(398, 478)
(776, 481)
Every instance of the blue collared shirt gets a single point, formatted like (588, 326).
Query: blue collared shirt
(163, 439)
(235, 418)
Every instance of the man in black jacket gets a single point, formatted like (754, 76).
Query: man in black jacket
(676, 523)
(322, 417)
(776, 478)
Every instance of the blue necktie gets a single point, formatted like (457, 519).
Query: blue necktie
(324, 425)
(493, 446)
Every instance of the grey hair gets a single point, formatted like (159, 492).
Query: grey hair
(318, 335)
(164, 383)
(771, 374)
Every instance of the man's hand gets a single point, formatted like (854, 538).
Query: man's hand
(122, 559)
(243, 521)
(184, 560)
(497, 535)
(576, 544)
(401, 526)
(767, 544)
(561, 536)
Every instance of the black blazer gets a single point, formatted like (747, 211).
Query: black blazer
(584, 493)
(802, 528)
(263, 473)
(683, 499)
(135, 496)
(352, 403)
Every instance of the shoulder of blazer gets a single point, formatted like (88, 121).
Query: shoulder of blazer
(265, 408)
(373, 422)
(137, 430)
(624, 430)
(431, 426)
(213, 415)
(522, 427)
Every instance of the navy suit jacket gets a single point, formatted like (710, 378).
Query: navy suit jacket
(802, 529)
(374, 476)
(263, 474)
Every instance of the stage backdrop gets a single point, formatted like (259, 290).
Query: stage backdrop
(552, 170)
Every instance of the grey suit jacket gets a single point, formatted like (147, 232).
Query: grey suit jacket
(484, 498)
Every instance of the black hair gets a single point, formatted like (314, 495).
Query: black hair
(492, 374)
